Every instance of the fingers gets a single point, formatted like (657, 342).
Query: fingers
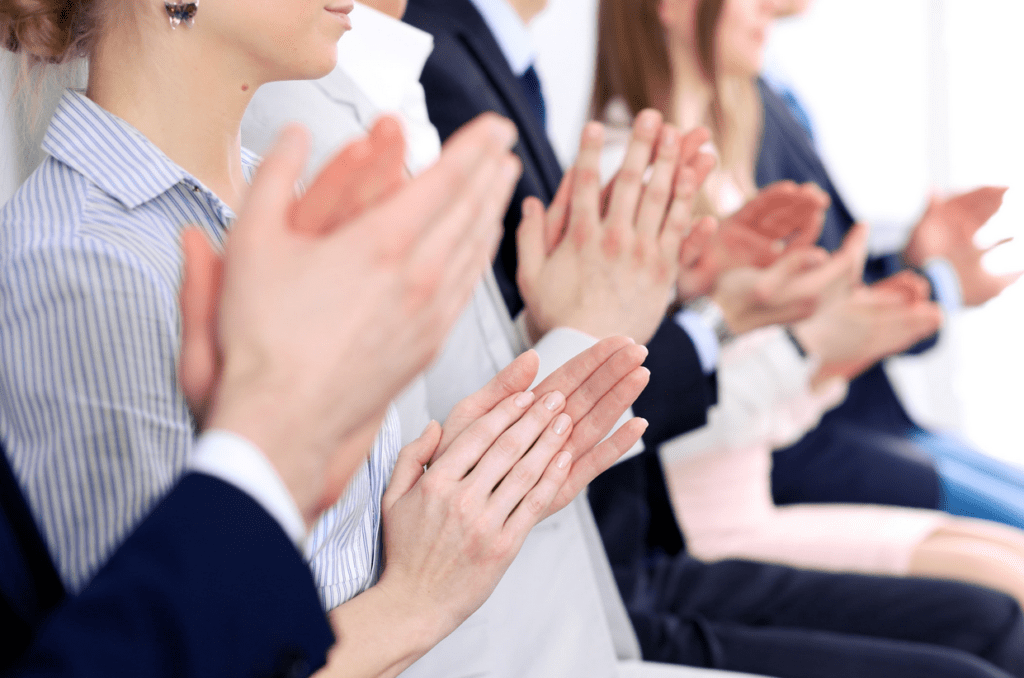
(516, 377)
(585, 214)
(569, 377)
(409, 466)
(795, 263)
(581, 401)
(464, 258)
(199, 362)
(691, 144)
(467, 449)
(629, 180)
(598, 460)
(358, 177)
(799, 221)
(558, 211)
(325, 196)
(768, 199)
(535, 506)
(474, 149)
(655, 200)
(909, 285)
(531, 243)
(696, 242)
(273, 190)
(479, 210)
(514, 442)
(855, 251)
(595, 424)
(526, 473)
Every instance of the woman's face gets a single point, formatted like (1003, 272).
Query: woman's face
(742, 33)
(278, 39)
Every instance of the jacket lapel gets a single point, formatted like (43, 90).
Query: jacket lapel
(478, 39)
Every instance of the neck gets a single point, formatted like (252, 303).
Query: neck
(528, 9)
(181, 98)
(690, 100)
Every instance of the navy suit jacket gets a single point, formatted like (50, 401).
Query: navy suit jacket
(466, 75)
(871, 417)
(208, 585)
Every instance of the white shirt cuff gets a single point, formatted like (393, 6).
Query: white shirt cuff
(946, 284)
(703, 337)
(233, 459)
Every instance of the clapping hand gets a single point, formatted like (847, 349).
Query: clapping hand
(947, 230)
(869, 323)
(357, 310)
(606, 263)
(781, 218)
(793, 287)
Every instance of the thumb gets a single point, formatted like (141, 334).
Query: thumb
(530, 239)
(513, 378)
(199, 297)
(855, 247)
(409, 466)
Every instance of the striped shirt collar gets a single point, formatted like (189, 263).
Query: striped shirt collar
(118, 158)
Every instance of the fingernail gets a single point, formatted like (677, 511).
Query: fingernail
(529, 209)
(563, 459)
(524, 400)
(553, 400)
(562, 422)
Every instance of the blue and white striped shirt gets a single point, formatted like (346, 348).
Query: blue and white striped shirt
(91, 414)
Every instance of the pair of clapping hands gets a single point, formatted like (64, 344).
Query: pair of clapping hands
(325, 306)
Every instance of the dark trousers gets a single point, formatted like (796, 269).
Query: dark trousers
(779, 621)
(847, 463)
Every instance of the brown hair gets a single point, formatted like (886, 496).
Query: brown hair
(48, 31)
(633, 65)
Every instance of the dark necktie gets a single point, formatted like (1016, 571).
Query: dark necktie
(531, 87)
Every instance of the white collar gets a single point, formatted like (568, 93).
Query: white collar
(509, 32)
(383, 56)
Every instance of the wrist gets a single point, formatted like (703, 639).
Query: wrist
(715, 316)
(412, 619)
(808, 336)
(243, 411)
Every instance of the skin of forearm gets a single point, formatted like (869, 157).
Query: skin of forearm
(378, 636)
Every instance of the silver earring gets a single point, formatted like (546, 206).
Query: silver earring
(182, 11)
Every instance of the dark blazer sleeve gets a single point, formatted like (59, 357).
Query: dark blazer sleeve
(679, 394)
(208, 585)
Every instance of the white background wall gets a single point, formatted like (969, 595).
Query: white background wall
(907, 96)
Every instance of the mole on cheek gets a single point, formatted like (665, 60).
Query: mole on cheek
(245, 88)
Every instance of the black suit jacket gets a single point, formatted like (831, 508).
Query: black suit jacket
(208, 585)
(871, 424)
(466, 75)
